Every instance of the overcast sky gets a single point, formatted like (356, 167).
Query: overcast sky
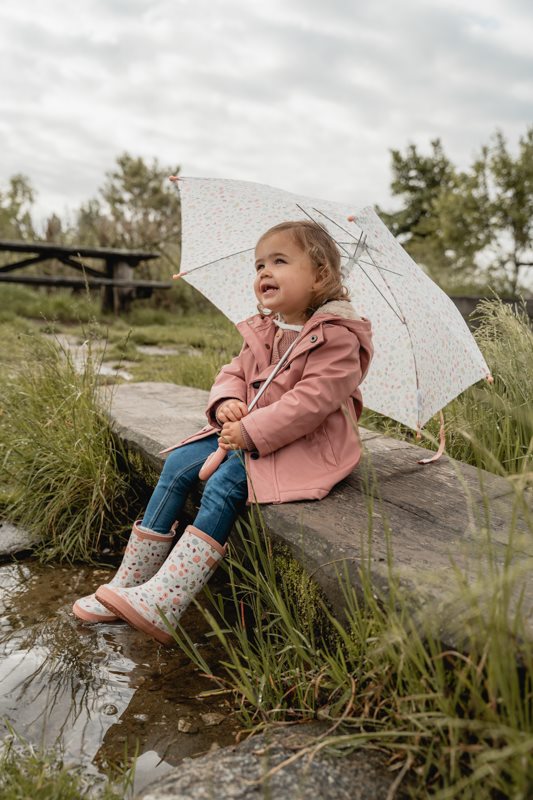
(306, 95)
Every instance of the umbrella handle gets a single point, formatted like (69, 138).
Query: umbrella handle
(211, 464)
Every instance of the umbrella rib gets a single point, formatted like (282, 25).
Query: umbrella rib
(402, 319)
(415, 365)
(368, 246)
(385, 269)
(341, 244)
(318, 211)
(222, 258)
(307, 214)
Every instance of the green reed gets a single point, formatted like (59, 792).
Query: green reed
(29, 772)
(66, 478)
(447, 692)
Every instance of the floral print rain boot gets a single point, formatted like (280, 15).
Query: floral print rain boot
(182, 576)
(145, 552)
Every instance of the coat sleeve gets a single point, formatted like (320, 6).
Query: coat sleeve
(230, 382)
(328, 380)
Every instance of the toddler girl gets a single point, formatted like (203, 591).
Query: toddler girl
(296, 444)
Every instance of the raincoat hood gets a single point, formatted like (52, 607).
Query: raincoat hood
(258, 332)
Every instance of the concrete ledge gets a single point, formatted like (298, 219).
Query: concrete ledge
(431, 517)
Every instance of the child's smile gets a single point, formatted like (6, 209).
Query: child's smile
(285, 277)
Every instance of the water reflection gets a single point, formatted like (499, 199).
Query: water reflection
(100, 692)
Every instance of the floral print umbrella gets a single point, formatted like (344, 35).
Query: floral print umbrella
(424, 353)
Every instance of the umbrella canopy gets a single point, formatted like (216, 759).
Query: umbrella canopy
(424, 353)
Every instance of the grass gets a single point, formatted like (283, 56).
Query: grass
(62, 475)
(66, 477)
(489, 425)
(457, 722)
(202, 343)
(201, 336)
(29, 773)
(60, 306)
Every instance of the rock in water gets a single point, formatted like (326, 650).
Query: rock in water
(236, 773)
(13, 539)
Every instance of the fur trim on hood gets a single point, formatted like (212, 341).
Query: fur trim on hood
(339, 308)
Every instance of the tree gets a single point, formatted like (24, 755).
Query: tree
(53, 229)
(471, 227)
(15, 209)
(513, 203)
(136, 208)
(419, 180)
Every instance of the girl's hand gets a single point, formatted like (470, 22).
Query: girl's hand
(231, 411)
(231, 437)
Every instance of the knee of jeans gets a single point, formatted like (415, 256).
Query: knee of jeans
(172, 461)
(176, 464)
(218, 493)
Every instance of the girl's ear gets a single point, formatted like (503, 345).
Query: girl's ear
(320, 277)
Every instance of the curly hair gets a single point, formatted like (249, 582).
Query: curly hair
(314, 240)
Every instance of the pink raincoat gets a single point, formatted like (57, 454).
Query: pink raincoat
(304, 426)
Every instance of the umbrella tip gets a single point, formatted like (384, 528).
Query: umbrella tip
(351, 218)
(177, 275)
(173, 178)
(489, 378)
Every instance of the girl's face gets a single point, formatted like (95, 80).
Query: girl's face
(285, 277)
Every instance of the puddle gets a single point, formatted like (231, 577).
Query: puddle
(170, 350)
(154, 350)
(78, 352)
(100, 692)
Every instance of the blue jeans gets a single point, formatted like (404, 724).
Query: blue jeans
(224, 495)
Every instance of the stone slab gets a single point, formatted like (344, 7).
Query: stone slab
(240, 772)
(151, 416)
(428, 517)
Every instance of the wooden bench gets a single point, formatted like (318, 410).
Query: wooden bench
(115, 277)
(432, 518)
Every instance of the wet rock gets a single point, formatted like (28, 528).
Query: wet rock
(13, 539)
(212, 719)
(241, 772)
(186, 726)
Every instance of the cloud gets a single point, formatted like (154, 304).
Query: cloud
(305, 95)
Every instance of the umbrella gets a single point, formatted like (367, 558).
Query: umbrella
(424, 353)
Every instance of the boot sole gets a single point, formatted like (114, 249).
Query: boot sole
(87, 616)
(122, 609)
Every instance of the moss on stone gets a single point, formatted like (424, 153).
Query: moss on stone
(309, 599)
(141, 471)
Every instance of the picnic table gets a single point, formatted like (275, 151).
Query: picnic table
(115, 276)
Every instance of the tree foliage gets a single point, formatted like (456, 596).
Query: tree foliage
(136, 207)
(15, 209)
(468, 228)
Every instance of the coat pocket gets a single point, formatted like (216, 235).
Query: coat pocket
(321, 444)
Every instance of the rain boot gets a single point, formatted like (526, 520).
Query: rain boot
(145, 552)
(182, 576)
